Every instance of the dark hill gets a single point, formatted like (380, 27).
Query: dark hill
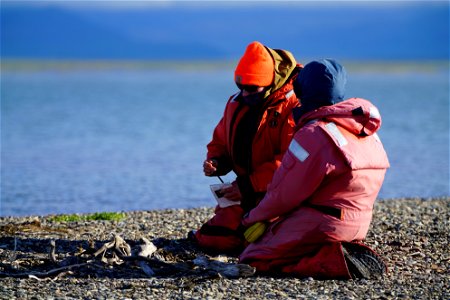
(411, 30)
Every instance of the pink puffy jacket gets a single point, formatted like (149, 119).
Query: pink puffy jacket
(336, 160)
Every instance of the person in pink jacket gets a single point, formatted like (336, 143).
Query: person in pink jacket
(318, 207)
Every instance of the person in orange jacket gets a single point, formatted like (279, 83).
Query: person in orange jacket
(250, 139)
(319, 205)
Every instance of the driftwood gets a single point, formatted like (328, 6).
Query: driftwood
(117, 252)
(225, 269)
(52, 254)
(49, 273)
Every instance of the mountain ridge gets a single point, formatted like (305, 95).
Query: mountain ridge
(405, 32)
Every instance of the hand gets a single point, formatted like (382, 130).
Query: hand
(209, 167)
(232, 192)
(254, 232)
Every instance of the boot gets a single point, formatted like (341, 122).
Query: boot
(363, 262)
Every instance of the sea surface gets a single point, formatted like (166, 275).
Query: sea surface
(86, 140)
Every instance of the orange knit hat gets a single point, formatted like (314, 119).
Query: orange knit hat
(256, 66)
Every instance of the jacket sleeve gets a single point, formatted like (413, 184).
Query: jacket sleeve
(303, 168)
(218, 149)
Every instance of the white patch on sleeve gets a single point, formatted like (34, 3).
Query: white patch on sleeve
(374, 113)
(376, 137)
(298, 151)
(289, 94)
(332, 128)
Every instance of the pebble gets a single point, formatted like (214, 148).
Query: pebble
(412, 235)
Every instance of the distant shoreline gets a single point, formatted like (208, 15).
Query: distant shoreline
(25, 64)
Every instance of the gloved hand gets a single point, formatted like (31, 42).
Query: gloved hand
(254, 232)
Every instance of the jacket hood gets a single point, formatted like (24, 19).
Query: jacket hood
(357, 115)
(320, 83)
(285, 64)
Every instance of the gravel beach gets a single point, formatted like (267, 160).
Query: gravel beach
(412, 235)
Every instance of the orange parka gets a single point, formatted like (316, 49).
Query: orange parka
(273, 134)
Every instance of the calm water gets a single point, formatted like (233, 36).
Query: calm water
(85, 141)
